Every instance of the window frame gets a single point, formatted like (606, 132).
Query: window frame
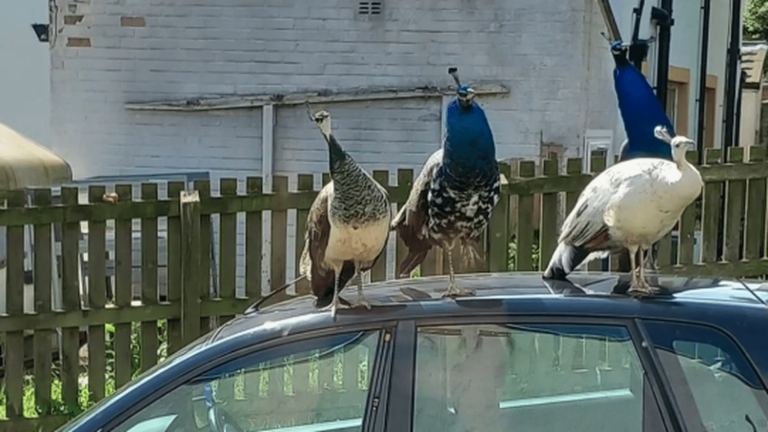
(379, 371)
(398, 407)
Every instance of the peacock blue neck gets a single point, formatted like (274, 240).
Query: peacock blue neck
(469, 145)
(641, 112)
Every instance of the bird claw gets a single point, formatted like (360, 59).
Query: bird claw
(362, 302)
(334, 307)
(642, 289)
(454, 291)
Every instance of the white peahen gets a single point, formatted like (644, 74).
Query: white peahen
(632, 204)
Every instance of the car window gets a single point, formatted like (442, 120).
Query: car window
(539, 378)
(715, 386)
(321, 384)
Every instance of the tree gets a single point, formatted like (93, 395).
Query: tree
(756, 20)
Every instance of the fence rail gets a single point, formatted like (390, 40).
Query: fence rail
(723, 233)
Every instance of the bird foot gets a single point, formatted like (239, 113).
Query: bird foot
(454, 291)
(335, 306)
(641, 288)
(362, 302)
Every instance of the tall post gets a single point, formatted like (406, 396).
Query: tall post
(702, 99)
(663, 18)
(732, 77)
(191, 260)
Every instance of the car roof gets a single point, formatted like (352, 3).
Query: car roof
(423, 291)
(720, 302)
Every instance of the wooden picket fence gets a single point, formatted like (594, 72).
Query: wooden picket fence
(40, 391)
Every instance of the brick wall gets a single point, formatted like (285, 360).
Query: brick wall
(109, 52)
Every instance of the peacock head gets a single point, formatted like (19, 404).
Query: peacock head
(323, 121)
(464, 92)
(680, 144)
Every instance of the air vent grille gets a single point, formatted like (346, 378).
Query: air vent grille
(369, 8)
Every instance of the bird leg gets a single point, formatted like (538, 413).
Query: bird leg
(336, 303)
(361, 300)
(453, 290)
(639, 286)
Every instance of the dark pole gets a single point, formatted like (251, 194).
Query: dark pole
(703, 81)
(638, 50)
(737, 123)
(731, 80)
(663, 18)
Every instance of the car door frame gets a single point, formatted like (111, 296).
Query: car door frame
(400, 409)
(379, 371)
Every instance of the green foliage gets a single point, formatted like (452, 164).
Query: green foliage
(512, 264)
(756, 20)
(71, 410)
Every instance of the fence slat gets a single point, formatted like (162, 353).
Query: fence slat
(42, 280)
(97, 298)
(525, 225)
(755, 228)
(123, 289)
(228, 247)
(279, 235)
(148, 278)
(711, 218)
(173, 253)
(498, 229)
(379, 271)
(14, 284)
(597, 165)
(253, 241)
(305, 183)
(687, 224)
(404, 180)
(734, 212)
(549, 211)
(70, 361)
(204, 190)
(191, 258)
(572, 168)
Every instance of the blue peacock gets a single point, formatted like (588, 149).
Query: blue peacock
(453, 196)
(641, 113)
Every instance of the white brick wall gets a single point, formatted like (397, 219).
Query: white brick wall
(548, 52)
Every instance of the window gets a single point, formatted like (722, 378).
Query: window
(323, 383)
(714, 384)
(541, 378)
(672, 102)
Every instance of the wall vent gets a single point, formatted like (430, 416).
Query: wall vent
(369, 8)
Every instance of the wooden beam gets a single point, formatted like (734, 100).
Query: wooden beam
(256, 101)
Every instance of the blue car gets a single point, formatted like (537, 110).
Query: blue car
(523, 354)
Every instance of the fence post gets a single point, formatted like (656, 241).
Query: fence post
(498, 229)
(190, 265)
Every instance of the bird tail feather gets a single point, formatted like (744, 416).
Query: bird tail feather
(566, 258)
(412, 260)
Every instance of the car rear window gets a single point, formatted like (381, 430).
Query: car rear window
(714, 384)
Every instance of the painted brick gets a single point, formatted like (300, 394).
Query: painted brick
(72, 19)
(132, 21)
(196, 47)
(78, 42)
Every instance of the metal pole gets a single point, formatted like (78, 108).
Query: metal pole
(702, 101)
(664, 19)
(731, 80)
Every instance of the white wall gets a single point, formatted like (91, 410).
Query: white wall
(25, 77)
